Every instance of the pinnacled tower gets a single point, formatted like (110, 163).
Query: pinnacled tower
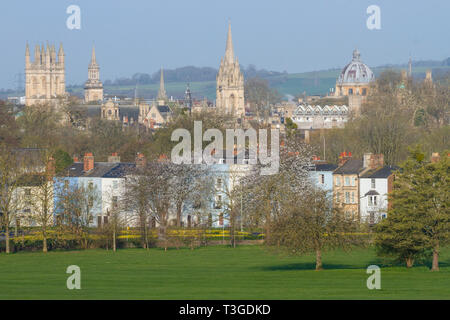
(93, 88)
(45, 76)
(230, 83)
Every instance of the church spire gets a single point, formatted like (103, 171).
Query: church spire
(93, 60)
(229, 52)
(162, 90)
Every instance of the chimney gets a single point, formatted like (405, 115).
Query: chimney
(140, 160)
(372, 161)
(75, 159)
(114, 157)
(344, 157)
(435, 157)
(88, 161)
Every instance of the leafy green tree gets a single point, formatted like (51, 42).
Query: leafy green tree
(418, 219)
(62, 160)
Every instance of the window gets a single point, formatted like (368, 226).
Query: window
(338, 181)
(219, 183)
(353, 181)
(90, 201)
(221, 219)
(322, 179)
(114, 201)
(90, 185)
(372, 201)
(353, 197)
(115, 184)
(347, 197)
(372, 183)
(218, 204)
(347, 181)
(338, 197)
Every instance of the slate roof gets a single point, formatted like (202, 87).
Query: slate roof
(163, 109)
(352, 166)
(323, 167)
(379, 173)
(101, 170)
(31, 158)
(129, 110)
(30, 180)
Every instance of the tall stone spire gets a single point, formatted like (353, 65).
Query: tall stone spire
(229, 52)
(162, 91)
(230, 83)
(93, 60)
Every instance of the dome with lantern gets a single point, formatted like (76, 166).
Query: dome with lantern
(356, 71)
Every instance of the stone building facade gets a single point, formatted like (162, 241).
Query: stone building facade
(45, 76)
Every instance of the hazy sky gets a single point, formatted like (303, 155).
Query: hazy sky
(293, 35)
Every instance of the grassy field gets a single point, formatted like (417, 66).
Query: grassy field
(247, 272)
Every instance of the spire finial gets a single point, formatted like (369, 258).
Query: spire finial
(93, 59)
(356, 55)
(229, 53)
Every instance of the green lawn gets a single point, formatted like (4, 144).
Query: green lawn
(247, 272)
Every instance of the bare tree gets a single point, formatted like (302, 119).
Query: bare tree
(75, 208)
(311, 224)
(42, 198)
(10, 200)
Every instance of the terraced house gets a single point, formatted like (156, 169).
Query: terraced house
(347, 181)
(102, 184)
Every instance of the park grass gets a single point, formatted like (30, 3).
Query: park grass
(216, 272)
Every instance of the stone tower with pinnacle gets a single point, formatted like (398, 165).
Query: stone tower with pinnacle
(230, 83)
(93, 88)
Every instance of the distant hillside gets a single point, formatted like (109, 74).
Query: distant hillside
(203, 80)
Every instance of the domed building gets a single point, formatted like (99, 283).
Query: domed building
(355, 78)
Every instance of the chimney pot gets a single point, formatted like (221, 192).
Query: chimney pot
(88, 161)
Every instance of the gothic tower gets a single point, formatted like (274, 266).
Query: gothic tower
(93, 88)
(45, 76)
(230, 83)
